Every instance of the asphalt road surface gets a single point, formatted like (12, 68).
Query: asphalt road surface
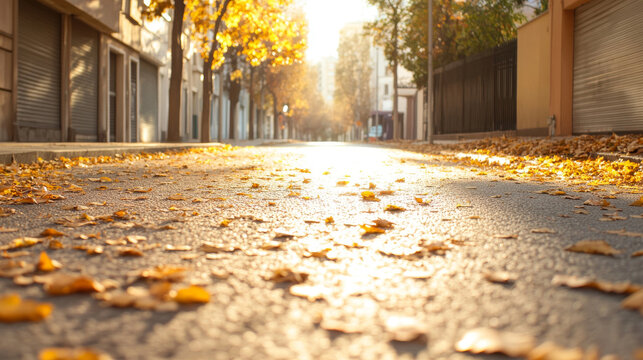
(359, 284)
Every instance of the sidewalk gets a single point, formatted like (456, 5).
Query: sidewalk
(30, 152)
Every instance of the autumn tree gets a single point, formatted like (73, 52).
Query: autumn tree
(353, 78)
(488, 23)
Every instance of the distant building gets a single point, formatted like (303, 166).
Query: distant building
(326, 81)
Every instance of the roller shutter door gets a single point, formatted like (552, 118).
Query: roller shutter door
(608, 66)
(84, 81)
(38, 67)
(149, 102)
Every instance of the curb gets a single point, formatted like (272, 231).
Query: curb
(617, 157)
(31, 156)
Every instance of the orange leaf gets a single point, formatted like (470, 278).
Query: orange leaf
(192, 295)
(46, 264)
(14, 309)
(51, 232)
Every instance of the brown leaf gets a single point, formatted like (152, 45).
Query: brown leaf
(584, 282)
(163, 272)
(129, 251)
(405, 329)
(15, 309)
(501, 277)
(383, 224)
(506, 236)
(13, 268)
(7, 230)
(637, 253)
(634, 301)
(638, 202)
(51, 233)
(598, 247)
(624, 232)
(543, 231)
(65, 284)
(596, 202)
(490, 341)
(280, 275)
(210, 247)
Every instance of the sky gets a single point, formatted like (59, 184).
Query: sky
(326, 18)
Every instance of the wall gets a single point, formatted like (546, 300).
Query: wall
(6, 68)
(534, 50)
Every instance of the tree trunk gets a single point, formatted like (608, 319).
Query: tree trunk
(207, 100)
(261, 119)
(235, 90)
(207, 79)
(275, 116)
(396, 117)
(251, 117)
(176, 77)
(220, 107)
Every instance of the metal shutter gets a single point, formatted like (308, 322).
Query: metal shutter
(38, 67)
(148, 111)
(112, 96)
(608, 71)
(84, 80)
(133, 102)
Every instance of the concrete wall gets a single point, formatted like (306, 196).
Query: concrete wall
(534, 54)
(105, 12)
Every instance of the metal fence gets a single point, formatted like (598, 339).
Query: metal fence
(478, 93)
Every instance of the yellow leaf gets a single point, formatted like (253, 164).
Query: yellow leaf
(329, 220)
(342, 183)
(21, 243)
(369, 196)
(72, 354)
(371, 186)
(394, 208)
(400, 180)
(254, 186)
(164, 272)
(599, 247)
(288, 275)
(224, 223)
(192, 295)
(368, 229)
(46, 264)
(638, 202)
(14, 309)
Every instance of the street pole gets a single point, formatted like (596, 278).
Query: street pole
(377, 90)
(429, 88)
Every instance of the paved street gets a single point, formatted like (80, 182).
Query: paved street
(412, 290)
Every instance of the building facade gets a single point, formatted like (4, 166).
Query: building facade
(89, 70)
(579, 69)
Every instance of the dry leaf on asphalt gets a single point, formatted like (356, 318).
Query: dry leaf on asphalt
(130, 251)
(7, 230)
(551, 351)
(369, 229)
(192, 294)
(576, 282)
(65, 284)
(597, 202)
(310, 292)
(543, 231)
(329, 220)
(369, 196)
(72, 354)
(394, 208)
(624, 232)
(598, 247)
(22, 242)
(490, 341)
(506, 236)
(51, 233)
(212, 248)
(384, 224)
(502, 277)
(634, 301)
(13, 268)
(637, 253)
(46, 264)
(15, 309)
(638, 202)
(280, 275)
(170, 273)
(405, 329)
